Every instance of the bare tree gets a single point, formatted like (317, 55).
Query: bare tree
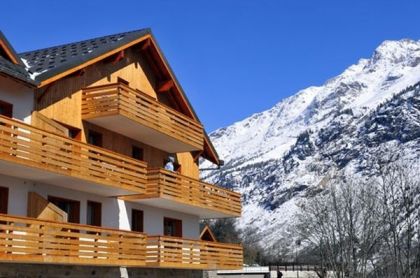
(399, 194)
(367, 227)
(345, 226)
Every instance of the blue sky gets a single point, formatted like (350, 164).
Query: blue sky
(233, 57)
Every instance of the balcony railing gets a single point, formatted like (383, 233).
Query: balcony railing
(176, 187)
(29, 240)
(119, 99)
(172, 252)
(26, 145)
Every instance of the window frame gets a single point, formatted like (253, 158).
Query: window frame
(91, 206)
(73, 217)
(139, 227)
(8, 108)
(176, 226)
(4, 199)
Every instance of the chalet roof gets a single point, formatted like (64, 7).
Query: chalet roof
(45, 64)
(48, 62)
(10, 63)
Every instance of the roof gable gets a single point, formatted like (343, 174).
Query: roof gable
(156, 53)
(50, 64)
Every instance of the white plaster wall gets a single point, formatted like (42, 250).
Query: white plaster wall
(18, 199)
(115, 213)
(153, 220)
(21, 96)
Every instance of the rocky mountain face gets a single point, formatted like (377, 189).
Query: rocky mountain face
(281, 156)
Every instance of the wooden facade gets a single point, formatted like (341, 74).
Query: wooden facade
(62, 100)
(106, 127)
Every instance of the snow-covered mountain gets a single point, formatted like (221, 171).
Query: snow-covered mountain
(279, 156)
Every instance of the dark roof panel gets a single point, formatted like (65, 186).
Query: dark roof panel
(47, 62)
(9, 68)
(16, 71)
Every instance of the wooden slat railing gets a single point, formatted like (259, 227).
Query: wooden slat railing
(118, 98)
(30, 240)
(162, 183)
(173, 252)
(26, 145)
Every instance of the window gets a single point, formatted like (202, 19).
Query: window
(137, 153)
(6, 109)
(137, 220)
(94, 213)
(95, 138)
(4, 199)
(172, 227)
(72, 208)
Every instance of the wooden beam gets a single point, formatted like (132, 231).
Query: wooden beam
(44, 92)
(78, 73)
(146, 45)
(165, 86)
(119, 57)
(196, 155)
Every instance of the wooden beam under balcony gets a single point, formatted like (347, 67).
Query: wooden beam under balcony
(29, 240)
(165, 86)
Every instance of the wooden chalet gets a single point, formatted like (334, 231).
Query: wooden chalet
(85, 131)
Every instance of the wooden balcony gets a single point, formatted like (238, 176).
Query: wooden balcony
(130, 112)
(172, 252)
(29, 240)
(171, 190)
(34, 154)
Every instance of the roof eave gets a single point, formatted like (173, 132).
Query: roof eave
(27, 82)
(10, 51)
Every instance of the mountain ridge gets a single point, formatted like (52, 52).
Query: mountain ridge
(279, 156)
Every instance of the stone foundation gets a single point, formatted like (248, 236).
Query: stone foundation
(60, 271)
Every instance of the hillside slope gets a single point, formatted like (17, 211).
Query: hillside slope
(280, 156)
